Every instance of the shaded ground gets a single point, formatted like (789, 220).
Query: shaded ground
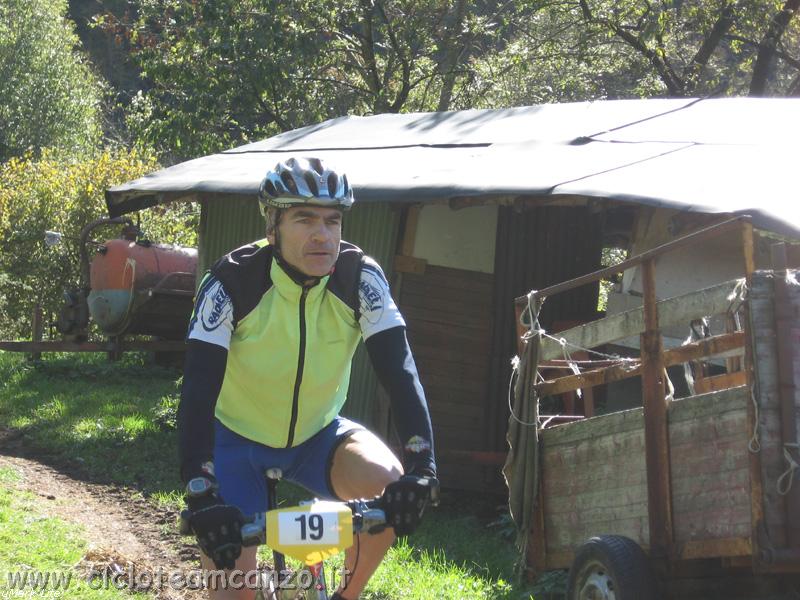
(121, 527)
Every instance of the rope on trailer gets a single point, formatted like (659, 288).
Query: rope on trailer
(534, 329)
(755, 444)
(737, 297)
(789, 473)
(564, 343)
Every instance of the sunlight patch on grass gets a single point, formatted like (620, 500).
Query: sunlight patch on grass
(409, 574)
(9, 475)
(52, 410)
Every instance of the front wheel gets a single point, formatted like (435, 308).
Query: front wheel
(610, 567)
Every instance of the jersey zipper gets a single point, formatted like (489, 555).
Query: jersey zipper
(301, 359)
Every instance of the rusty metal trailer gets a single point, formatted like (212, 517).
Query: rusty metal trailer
(705, 486)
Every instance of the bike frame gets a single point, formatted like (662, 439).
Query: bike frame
(320, 586)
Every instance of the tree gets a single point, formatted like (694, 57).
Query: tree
(49, 96)
(51, 192)
(233, 71)
(594, 49)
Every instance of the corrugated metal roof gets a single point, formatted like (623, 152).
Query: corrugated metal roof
(730, 155)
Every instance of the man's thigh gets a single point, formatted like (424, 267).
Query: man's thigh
(362, 466)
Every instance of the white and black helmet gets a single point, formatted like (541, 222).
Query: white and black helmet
(299, 181)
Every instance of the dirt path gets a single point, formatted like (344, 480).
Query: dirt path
(121, 527)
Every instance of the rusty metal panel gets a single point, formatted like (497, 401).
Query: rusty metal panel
(373, 228)
(538, 247)
(225, 224)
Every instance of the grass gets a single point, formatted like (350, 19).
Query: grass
(34, 545)
(112, 418)
(117, 421)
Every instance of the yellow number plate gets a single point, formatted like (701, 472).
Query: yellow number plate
(311, 533)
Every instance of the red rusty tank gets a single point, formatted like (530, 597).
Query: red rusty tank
(142, 288)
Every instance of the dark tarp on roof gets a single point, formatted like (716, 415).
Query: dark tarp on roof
(731, 155)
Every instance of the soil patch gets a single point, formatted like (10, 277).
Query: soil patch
(124, 530)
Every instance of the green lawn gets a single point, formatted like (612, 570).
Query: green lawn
(117, 421)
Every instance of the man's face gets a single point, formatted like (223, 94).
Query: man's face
(309, 238)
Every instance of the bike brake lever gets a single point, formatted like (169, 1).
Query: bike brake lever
(254, 532)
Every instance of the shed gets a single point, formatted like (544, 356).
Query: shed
(466, 210)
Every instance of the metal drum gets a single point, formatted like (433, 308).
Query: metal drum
(142, 288)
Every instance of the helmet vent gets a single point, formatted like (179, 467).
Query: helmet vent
(316, 164)
(333, 183)
(287, 180)
(311, 182)
(269, 188)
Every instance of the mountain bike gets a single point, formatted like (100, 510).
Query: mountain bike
(310, 532)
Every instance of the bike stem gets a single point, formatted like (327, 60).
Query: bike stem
(273, 476)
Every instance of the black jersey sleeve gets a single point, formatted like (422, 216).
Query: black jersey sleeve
(394, 364)
(203, 373)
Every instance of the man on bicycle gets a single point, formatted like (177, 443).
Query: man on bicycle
(270, 344)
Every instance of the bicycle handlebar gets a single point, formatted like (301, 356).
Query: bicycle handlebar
(368, 516)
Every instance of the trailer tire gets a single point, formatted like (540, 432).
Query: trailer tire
(610, 567)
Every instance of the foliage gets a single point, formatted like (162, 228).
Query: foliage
(62, 194)
(234, 71)
(238, 70)
(603, 49)
(49, 95)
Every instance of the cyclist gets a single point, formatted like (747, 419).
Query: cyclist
(270, 344)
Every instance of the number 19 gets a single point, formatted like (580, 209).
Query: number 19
(312, 527)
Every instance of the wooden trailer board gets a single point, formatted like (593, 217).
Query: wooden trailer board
(703, 484)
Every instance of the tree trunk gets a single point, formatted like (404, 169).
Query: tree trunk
(768, 46)
(451, 59)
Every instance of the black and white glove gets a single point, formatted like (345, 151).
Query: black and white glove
(405, 501)
(216, 525)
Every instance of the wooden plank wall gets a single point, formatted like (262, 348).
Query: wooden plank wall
(449, 329)
(710, 468)
(594, 478)
(773, 465)
(593, 481)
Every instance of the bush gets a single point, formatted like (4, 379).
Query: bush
(49, 95)
(62, 194)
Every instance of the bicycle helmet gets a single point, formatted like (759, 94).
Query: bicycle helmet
(299, 181)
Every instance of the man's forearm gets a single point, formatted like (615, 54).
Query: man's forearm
(203, 374)
(394, 364)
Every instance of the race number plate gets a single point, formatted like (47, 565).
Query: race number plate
(311, 533)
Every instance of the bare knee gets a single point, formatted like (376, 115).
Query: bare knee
(362, 466)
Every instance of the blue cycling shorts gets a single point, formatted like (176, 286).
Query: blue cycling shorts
(240, 464)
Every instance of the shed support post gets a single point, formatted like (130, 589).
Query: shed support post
(787, 331)
(756, 484)
(655, 421)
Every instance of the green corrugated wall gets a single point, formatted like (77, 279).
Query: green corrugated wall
(228, 223)
(373, 228)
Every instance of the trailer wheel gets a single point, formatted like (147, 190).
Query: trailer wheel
(610, 567)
